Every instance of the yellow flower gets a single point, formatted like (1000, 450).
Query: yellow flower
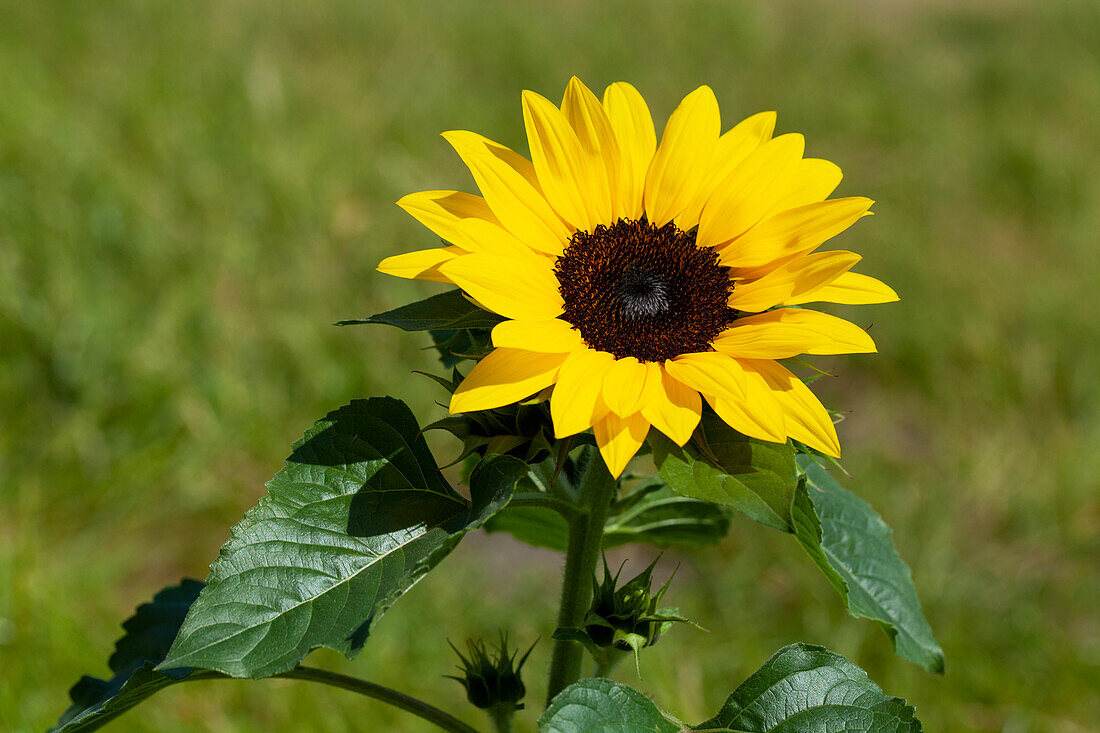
(638, 278)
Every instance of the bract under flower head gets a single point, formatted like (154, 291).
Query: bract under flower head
(639, 279)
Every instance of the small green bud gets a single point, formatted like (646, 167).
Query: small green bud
(623, 618)
(492, 678)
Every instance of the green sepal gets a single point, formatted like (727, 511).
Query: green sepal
(522, 430)
(455, 346)
(149, 634)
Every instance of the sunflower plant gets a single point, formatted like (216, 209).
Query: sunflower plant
(621, 338)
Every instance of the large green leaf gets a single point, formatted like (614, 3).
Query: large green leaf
(149, 634)
(808, 689)
(358, 514)
(722, 466)
(598, 705)
(449, 311)
(853, 547)
(652, 514)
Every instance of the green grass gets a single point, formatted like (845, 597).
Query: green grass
(191, 193)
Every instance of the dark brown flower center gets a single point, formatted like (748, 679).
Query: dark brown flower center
(634, 289)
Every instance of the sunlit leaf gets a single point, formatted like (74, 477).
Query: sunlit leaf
(359, 513)
(853, 546)
(598, 705)
(724, 467)
(808, 688)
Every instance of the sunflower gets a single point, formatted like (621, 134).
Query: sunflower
(638, 279)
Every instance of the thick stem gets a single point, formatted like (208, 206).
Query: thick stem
(432, 714)
(585, 536)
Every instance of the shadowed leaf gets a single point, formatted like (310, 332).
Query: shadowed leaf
(149, 634)
(449, 311)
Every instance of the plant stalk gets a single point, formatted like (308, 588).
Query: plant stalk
(432, 714)
(502, 715)
(583, 550)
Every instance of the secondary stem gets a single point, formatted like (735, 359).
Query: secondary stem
(582, 552)
(432, 714)
(501, 715)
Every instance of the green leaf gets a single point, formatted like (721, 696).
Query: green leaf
(536, 526)
(653, 514)
(722, 466)
(598, 705)
(149, 634)
(358, 514)
(808, 688)
(449, 311)
(853, 547)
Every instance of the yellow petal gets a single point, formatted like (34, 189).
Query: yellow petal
(732, 148)
(759, 415)
(511, 189)
(483, 237)
(793, 232)
(551, 336)
(513, 287)
(573, 184)
(686, 149)
(794, 279)
(589, 120)
(746, 195)
(633, 127)
(627, 385)
(787, 332)
(619, 438)
(575, 404)
(710, 373)
(674, 408)
(503, 377)
(420, 265)
(851, 289)
(806, 418)
(440, 210)
(814, 180)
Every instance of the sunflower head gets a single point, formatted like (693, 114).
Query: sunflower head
(638, 279)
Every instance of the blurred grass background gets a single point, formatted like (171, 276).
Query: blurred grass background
(191, 193)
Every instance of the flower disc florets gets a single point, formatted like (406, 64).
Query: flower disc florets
(635, 289)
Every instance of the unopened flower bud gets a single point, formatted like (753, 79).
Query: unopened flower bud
(491, 678)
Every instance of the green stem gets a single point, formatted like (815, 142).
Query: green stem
(432, 714)
(608, 660)
(585, 539)
(501, 715)
(561, 506)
